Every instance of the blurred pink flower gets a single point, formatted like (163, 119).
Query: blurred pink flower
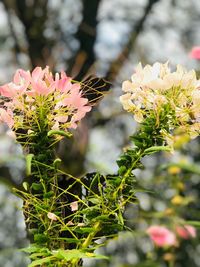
(186, 231)
(7, 117)
(195, 52)
(161, 236)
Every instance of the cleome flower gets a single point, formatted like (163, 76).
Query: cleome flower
(156, 90)
(39, 101)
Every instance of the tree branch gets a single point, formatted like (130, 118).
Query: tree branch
(86, 34)
(118, 62)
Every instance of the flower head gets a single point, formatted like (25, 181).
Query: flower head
(39, 101)
(170, 97)
(161, 236)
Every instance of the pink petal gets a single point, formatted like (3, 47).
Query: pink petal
(61, 118)
(22, 77)
(38, 74)
(55, 126)
(64, 85)
(41, 88)
(7, 91)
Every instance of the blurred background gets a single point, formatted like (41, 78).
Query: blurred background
(106, 38)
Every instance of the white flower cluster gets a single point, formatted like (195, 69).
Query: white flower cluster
(154, 87)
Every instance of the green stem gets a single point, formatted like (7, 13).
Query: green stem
(140, 154)
(87, 242)
(127, 173)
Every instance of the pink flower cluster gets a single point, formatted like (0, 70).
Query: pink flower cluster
(57, 99)
(161, 236)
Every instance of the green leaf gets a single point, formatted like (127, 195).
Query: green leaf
(62, 133)
(122, 170)
(37, 251)
(30, 249)
(29, 158)
(69, 254)
(102, 218)
(25, 186)
(41, 261)
(35, 256)
(37, 186)
(155, 149)
(40, 238)
(48, 194)
(94, 200)
(77, 254)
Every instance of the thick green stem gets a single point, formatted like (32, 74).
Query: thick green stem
(88, 240)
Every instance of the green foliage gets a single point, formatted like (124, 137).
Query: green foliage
(42, 255)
